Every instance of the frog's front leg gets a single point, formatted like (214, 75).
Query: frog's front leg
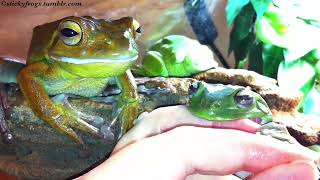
(55, 115)
(129, 100)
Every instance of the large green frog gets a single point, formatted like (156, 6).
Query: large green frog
(78, 55)
(217, 102)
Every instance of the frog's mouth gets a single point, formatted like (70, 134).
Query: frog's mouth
(94, 60)
(262, 120)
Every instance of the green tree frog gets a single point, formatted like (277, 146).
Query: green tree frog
(79, 55)
(217, 102)
(176, 55)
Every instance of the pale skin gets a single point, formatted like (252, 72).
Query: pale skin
(170, 143)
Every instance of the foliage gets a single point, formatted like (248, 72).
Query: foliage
(279, 39)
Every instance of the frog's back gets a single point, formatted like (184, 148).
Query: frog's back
(41, 37)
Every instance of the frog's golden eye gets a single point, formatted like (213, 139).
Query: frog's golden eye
(70, 32)
(137, 28)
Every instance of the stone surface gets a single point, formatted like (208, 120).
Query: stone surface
(305, 128)
(267, 87)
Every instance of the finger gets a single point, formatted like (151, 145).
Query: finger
(166, 118)
(211, 177)
(295, 170)
(188, 150)
(233, 151)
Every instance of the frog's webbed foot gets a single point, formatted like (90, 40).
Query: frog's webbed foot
(68, 121)
(96, 121)
(107, 129)
(72, 118)
(4, 105)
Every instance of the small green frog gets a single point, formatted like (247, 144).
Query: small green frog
(176, 56)
(217, 102)
(78, 56)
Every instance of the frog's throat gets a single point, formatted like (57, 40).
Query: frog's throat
(94, 60)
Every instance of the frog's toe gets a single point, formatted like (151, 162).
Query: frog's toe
(65, 129)
(85, 127)
(96, 121)
(65, 124)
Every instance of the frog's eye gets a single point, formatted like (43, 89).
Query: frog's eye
(244, 99)
(70, 32)
(137, 28)
(193, 89)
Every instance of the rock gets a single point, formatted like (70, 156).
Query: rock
(305, 128)
(265, 86)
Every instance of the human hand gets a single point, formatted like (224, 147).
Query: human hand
(166, 151)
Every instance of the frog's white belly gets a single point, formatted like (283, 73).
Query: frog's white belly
(87, 87)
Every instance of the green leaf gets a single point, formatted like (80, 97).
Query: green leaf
(308, 10)
(243, 48)
(311, 22)
(234, 40)
(260, 6)
(293, 41)
(242, 26)
(311, 103)
(312, 57)
(255, 58)
(305, 89)
(244, 21)
(242, 64)
(296, 75)
(272, 57)
(268, 34)
(317, 70)
(233, 8)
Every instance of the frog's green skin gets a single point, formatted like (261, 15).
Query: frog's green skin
(217, 102)
(80, 64)
(176, 56)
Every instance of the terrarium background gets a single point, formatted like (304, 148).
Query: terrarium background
(157, 17)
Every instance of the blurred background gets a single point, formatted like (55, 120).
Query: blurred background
(157, 17)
